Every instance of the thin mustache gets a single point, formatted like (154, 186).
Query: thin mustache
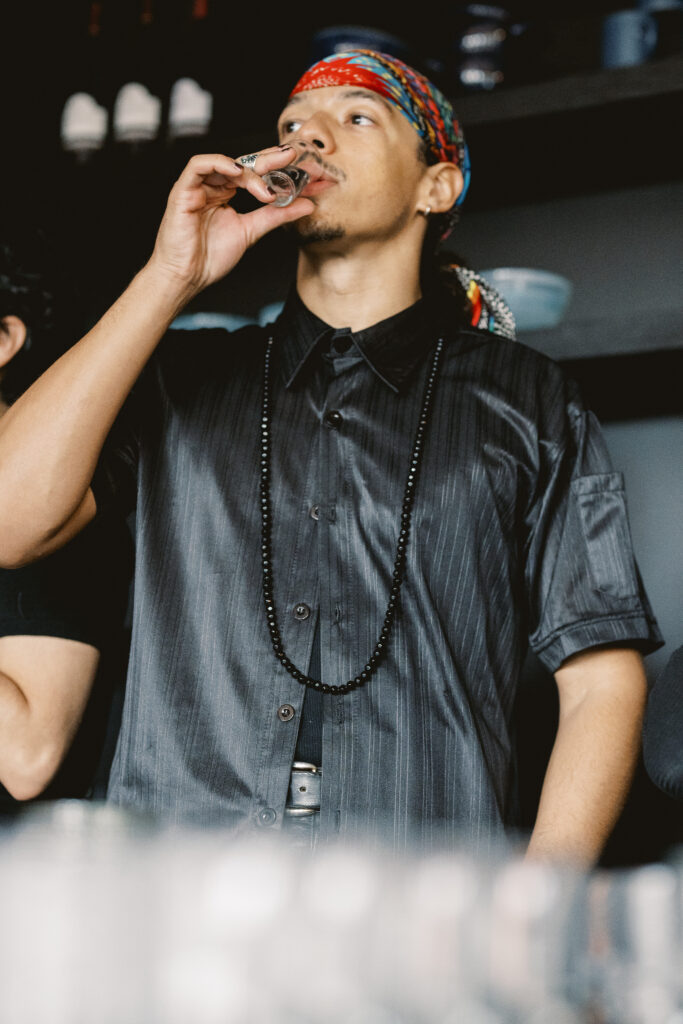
(336, 172)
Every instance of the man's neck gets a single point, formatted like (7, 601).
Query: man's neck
(358, 289)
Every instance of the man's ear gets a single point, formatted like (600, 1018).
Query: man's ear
(443, 185)
(12, 337)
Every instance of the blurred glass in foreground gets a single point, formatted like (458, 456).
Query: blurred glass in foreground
(111, 917)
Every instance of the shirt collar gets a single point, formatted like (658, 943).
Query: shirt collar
(392, 348)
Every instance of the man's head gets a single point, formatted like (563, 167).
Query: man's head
(386, 136)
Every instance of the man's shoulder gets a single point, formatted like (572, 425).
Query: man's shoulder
(495, 350)
(203, 350)
(516, 376)
(209, 336)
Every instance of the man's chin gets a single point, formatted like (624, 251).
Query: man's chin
(308, 232)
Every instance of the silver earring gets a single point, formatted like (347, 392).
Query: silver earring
(427, 211)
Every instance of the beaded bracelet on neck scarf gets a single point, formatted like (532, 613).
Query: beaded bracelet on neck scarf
(418, 99)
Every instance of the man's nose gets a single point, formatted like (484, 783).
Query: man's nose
(317, 133)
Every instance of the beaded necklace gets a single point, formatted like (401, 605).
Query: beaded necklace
(401, 546)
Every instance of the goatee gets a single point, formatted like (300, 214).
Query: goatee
(308, 234)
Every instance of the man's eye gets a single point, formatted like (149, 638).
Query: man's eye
(289, 126)
(361, 119)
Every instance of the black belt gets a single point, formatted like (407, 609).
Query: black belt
(303, 799)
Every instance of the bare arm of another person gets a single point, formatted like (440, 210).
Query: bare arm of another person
(602, 698)
(51, 437)
(45, 682)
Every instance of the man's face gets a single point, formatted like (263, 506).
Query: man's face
(369, 154)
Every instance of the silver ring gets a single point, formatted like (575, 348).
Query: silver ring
(248, 161)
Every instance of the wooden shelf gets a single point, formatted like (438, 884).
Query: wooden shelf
(634, 333)
(628, 367)
(583, 133)
(573, 92)
(631, 386)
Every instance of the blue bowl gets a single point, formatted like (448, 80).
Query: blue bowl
(537, 298)
(338, 38)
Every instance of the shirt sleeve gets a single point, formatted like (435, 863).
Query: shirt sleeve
(663, 730)
(181, 362)
(583, 584)
(78, 593)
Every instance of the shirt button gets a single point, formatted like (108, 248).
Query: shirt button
(286, 713)
(301, 611)
(266, 817)
(333, 419)
(314, 512)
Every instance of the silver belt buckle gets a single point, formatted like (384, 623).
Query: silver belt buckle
(304, 790)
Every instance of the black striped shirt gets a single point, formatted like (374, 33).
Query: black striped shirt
(519, 536)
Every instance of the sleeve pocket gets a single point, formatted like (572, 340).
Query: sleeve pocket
(602, 513)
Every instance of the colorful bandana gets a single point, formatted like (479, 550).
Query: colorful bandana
(427, 109)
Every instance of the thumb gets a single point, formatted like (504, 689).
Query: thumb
(259, 222)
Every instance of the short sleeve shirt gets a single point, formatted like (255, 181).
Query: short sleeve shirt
(78, 593)
(519, 536)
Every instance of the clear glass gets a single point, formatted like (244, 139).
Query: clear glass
(287, 183)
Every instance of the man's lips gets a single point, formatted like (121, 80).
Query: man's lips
(314, 188)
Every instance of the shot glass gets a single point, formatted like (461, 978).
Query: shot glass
(287, 183)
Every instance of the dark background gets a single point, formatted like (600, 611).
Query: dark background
(105, 211)
(557, 132)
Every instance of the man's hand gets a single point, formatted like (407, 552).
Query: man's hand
(201, 237)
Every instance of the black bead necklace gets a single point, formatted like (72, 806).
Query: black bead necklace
(401, 545)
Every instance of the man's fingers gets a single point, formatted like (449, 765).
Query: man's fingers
(217, 175)
(209, 169)
(259, 222)
(258, 164)
(267, 159)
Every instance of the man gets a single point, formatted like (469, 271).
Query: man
(61, 619)
(375, 498)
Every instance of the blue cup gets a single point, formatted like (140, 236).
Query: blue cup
(628, 38)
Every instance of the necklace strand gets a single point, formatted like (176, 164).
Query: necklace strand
(401, 546)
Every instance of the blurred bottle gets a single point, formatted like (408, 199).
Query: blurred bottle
(85, 114)
(191, 92)
(488, 48)
(635, 928)
(137, 113)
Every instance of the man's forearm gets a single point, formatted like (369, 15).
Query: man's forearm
(45, 683)
(602, 697)
(51, 438)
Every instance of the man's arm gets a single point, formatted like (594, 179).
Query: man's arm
(51, 438)
(602, 697)
(45, 683)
